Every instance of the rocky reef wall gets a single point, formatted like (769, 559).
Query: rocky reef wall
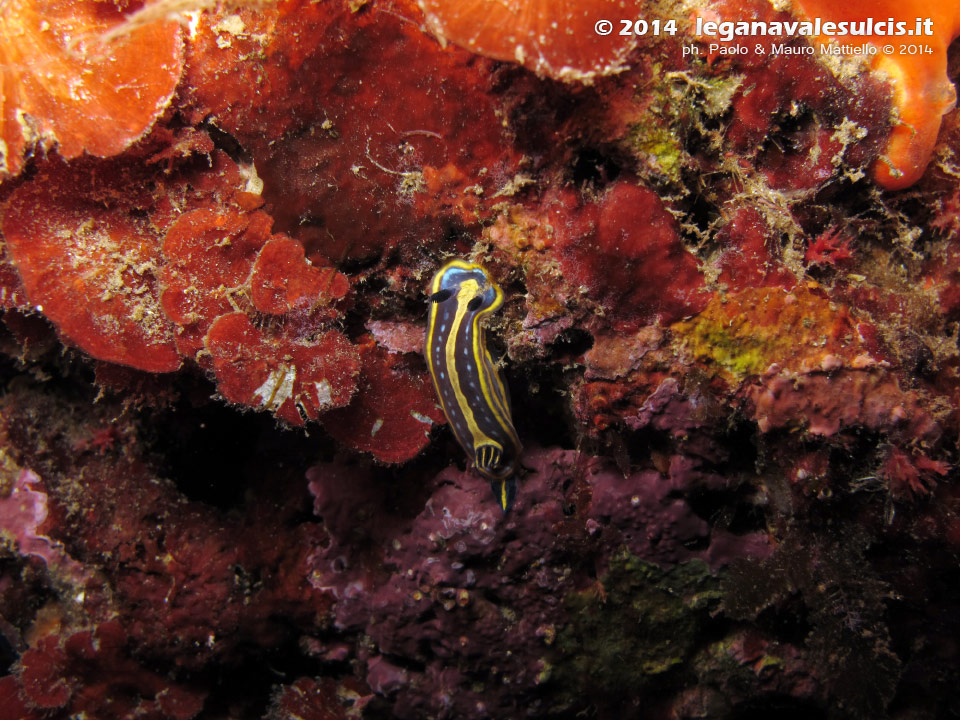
(730, 273)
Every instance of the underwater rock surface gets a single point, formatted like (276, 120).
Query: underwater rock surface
(732, 295)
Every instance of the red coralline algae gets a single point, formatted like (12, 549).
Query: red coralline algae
(178, 582)
(88, 673)
(851, 399)
(23, 514)
(267, 369)
(308, 699)
(401, 337)
(23, 511)
(556, 39)
(71, 82)
(831, 117)
(283, 280)
(625, 253)
(89, 262)
(459, 564)
(209, 254)
(93, 262)
(652, 524)
(14, 705)
(747, 258)
(774, 83)
(364, 174)
(393, 412)
(42, 675)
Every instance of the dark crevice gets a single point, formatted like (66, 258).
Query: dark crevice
(213, 452)
(782, 707)
(595, 168)
(226, 142)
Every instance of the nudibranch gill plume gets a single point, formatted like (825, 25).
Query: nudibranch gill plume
(471, 391)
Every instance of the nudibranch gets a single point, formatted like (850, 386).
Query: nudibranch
(471, 391)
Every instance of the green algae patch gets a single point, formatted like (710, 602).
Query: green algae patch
(636, 627)
(745, 333)
(658, 142)
(674, 106)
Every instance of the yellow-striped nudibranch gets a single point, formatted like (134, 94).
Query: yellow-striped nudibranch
(471, 391)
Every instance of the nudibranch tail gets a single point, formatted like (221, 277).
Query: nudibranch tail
(504, 491)
(471, 391)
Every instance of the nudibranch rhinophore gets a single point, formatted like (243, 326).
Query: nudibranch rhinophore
(471, 391)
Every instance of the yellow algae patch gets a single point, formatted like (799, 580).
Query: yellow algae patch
(745, 333)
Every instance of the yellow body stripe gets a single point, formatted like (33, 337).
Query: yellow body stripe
(487, 383)
(468, 290)
(470, 390)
